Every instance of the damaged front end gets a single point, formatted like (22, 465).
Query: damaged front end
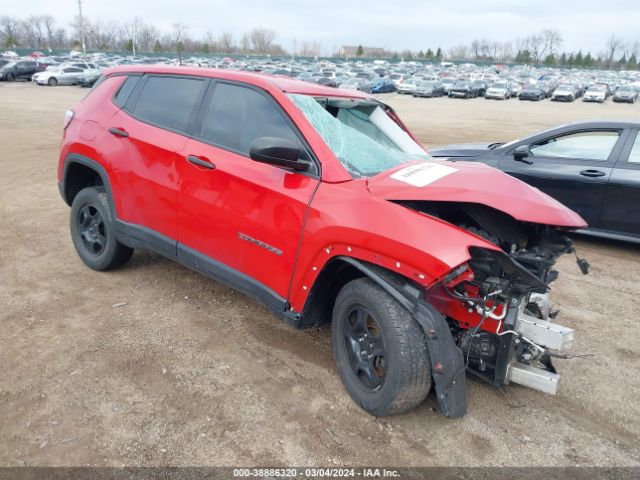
(497, 302)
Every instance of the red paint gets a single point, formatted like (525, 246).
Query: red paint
(155, 187)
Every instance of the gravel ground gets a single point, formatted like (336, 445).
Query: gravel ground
(154, 364)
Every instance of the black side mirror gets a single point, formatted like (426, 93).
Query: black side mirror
(521, 153)
(277, 151)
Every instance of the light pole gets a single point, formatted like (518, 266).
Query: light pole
(84, 45)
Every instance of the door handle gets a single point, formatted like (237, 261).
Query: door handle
(592, 173)
(118, 132)
(201, 162)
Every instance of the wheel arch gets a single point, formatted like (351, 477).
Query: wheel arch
(79, 172)
(339, 271)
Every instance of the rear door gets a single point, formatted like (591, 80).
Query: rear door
(238, 218)
(621, 208)
(573, 167)
(146, 139)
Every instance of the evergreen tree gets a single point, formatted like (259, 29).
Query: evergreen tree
(129, 46)
(550, 59)
(157, 47)
(588, 60)
(563, 59)
(429, 53)
(579, 60)
(632, 63)
(439, 53)
(523, 56)
(359, 51)
(205, 48)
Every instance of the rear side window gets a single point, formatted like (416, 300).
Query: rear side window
(168, 101)
(238, 115)
(125, 90)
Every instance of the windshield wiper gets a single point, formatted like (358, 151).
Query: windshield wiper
(494, 145)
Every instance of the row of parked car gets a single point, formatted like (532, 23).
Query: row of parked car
(413, 78)
(49, 72)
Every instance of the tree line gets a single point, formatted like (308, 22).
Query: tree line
(42, 32)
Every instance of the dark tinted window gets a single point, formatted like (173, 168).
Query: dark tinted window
(168, 101)
(125, 90)
(238, 115)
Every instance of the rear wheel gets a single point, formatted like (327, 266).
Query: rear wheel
(380, 350)
(93, 231)
(11, 77)
(52, 82)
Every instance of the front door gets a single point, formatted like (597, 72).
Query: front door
(573, 168)
(238, 218)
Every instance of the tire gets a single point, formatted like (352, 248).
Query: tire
(398, 378)
(93, 231)
(11, 77)
(53, 81)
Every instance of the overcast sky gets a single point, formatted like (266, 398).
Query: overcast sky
(395, 25)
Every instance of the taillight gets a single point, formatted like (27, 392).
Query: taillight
(68, 116)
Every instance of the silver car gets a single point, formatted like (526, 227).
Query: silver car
(60, 76)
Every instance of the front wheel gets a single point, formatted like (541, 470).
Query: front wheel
(380, 351)
(53, 82)
(93, 231)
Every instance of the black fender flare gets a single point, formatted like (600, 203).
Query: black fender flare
(447, 359)
(72, 158)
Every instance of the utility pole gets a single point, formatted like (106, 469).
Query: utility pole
(84, 45)
(135, 31)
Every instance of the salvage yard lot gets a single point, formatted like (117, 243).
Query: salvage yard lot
(154, 364)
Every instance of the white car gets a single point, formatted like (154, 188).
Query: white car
(499, 90)
(58, 76)
(595, 93)
(408, 86)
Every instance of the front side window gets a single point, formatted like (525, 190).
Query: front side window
(595, 145)
(237, 115)
(168, 101)
(360, 134)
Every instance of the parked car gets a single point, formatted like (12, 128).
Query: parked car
(383, 85)
(463, 89)
(565, 93)
(626, 93)
(321, 204)
(357, 83)
(59, 76)
(591, 167)
(428, 89)
(499, 91)
(408, 86)
(532, 92)
(447, 83)
(481, 86)
(19, 70)
(595, 93)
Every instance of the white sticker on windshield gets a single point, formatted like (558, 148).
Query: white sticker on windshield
(423, 174)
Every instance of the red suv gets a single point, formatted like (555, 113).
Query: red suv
(320, 203)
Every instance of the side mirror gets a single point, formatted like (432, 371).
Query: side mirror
(521, 153)
(277, 151)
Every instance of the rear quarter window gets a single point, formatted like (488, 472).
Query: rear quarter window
(121, 97)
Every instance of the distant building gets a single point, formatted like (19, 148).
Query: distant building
(367, 52)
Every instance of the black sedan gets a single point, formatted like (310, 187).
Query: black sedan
(591, 167)
(532, 92)
(463, 89)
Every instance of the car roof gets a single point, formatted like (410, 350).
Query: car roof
(283, 83)
(605, 124)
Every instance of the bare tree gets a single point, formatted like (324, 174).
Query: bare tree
(225, 42)
(552, 41)
(177, 38)
(262, 40)
(245, 43)
(613, 45)
(459, 52)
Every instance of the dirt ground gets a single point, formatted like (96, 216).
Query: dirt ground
(187, 372)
